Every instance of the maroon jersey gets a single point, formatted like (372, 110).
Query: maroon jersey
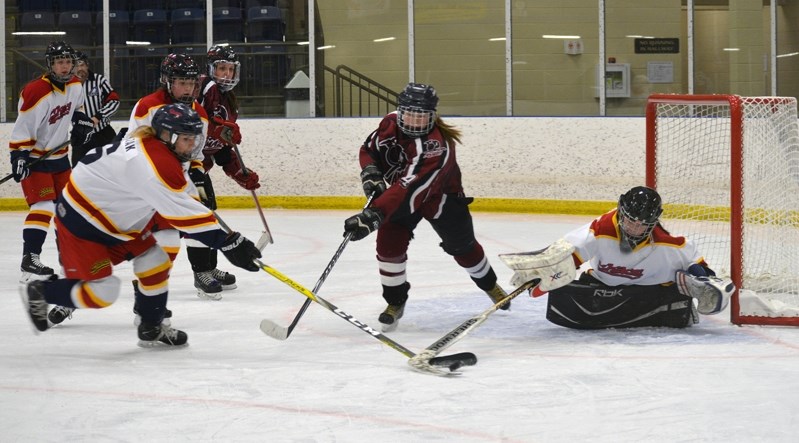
(216, 103)
(418, 170)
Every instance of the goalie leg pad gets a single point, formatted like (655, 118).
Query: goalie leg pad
(596, 306)
(711, 293)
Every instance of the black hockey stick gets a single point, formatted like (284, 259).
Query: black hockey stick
(46, 154)
(421, 362)
(469, 325)
(266, 236)
(453, 361)
(278, 332)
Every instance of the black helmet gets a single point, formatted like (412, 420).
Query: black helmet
(175, 66)
(177, 119)
(223, 54)
(56, 50)
(639, 212)
(81, 56)
(417, 100)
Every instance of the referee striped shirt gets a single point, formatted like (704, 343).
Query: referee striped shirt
(101, 100)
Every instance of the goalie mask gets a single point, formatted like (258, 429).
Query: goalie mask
(57, 51)
(176, 119)
(638, 213)
(180, 67)
(224, 66)
(416, 110)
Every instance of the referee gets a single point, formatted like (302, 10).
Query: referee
(101, 103)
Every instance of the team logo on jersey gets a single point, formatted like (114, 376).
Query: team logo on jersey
(46, 191)
(94, 92)
(59, 112)
(432, 148)
(620, 271)
(394, 157)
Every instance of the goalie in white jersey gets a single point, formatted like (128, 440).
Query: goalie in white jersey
(638, 273)
(104, 217)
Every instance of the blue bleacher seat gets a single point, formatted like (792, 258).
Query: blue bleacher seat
(151, 25)
(228, 25)
(265, 23)
(119, 27)
(78, 28)
(36, 22)
(188, 25)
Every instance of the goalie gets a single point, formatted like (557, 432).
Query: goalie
(638, 274)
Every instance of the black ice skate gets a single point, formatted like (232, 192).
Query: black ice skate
(497, 293)
(58, 314)
(33, 269)
(390, 317)
(226, 279)
(208, 287)
(158, 335)
(33, 300)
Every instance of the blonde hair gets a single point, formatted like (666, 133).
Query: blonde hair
(143, 132)
(450, 133)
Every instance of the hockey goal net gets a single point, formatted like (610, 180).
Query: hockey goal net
(727, 168)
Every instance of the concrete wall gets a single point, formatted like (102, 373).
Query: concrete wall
(571, 158)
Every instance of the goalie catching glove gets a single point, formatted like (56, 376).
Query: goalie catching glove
(240, 251)
(553, 265)
(711, 293)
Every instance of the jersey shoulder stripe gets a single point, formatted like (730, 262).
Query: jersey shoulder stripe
(165, 165)
(661, 237)
(606, 225)
(33, 93)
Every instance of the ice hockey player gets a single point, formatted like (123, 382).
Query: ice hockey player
(45, 110)
(638, 273)
(104, 216)
(219, 101)
(409, 164)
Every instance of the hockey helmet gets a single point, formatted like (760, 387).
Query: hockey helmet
(58, 50)
(223, 54)
(416, 109)
(175, 119)
(179, 66)
(639, 210)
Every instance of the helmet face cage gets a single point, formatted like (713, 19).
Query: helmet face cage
(179, 66)
(416, 109)
(58, 50)
(223, 54)
(639, 212)
(178, 119)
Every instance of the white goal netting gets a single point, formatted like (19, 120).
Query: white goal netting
(727, 168)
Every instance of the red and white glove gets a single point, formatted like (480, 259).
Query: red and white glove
(225, 130)
(247, 181)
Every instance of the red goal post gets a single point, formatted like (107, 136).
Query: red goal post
(727, 168)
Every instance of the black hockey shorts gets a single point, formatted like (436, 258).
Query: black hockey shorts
(588, 304)
(454, 226)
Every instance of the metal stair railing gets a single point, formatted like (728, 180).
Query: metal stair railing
(356, 95)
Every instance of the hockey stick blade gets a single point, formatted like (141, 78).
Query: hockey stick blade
(456, 360)
(274, 330)
(265, 239)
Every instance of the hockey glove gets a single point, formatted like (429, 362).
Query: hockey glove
(247, 181)
(82, 129)
(372, 180)
(363, 224)
(204, 187)
(226, 131)
(19, 166)
(240, 251)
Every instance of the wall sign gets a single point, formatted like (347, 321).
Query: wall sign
(657, 46)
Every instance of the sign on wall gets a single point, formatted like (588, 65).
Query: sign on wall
(657, 46)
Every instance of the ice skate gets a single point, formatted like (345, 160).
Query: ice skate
(158, 335)
(497, 293)
(208, 288)
(33, 269)
(58, 314)
(33, 299)
(226, 279)
(389, 318)
(137, 318)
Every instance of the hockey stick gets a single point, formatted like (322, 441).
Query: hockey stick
(453, 361)
(469, 325)
(278, 332)
(46, 154)
(266, 236)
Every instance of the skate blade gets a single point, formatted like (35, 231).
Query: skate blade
(229, 287)
(215, 296)
(389, 328)
(146, 344)
(28, 277)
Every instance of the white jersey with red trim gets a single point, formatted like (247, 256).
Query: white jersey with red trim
(654, 261)
(119, 190)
